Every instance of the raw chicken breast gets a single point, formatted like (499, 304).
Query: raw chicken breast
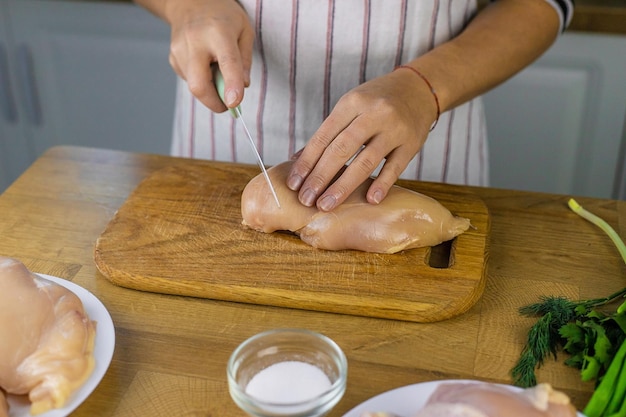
(490, 400)
(405, 219)
(46, 338)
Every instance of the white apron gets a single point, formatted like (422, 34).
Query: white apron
(308, 53)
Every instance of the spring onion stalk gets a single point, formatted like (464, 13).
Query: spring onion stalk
(578, 209)
(606, 389)
(617, 403)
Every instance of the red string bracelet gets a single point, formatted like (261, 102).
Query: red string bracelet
(430, 86)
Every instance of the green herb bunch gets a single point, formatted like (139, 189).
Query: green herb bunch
(594, 339)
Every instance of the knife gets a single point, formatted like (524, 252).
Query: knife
(218, 79)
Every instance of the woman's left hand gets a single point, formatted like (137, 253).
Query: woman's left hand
(387, 118)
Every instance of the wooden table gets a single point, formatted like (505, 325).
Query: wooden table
(171, 351)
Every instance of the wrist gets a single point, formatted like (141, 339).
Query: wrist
(430, 88)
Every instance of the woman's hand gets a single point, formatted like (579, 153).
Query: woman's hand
(204, 32)
(387, 118)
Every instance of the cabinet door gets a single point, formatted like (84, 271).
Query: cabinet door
(16, 151)
(558, 125)
(93, 74)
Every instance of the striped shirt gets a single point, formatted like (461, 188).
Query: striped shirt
(308, 53)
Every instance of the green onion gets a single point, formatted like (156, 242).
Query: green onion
(605, 390)
(578, 209)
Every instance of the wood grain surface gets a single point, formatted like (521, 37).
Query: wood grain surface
(171, 351)
(180, 232)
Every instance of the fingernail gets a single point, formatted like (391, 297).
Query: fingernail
(308, 197)
(327, 203)
(377, 197)
(231, 97)
(294, 182)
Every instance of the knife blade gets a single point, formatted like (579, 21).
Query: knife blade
(218, 79)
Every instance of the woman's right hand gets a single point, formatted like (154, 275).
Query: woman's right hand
(206, 32)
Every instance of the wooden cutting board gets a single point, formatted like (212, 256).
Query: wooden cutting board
(180, 232)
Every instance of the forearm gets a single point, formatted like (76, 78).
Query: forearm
(500, 41)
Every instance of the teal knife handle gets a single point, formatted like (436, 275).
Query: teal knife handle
(220, 85)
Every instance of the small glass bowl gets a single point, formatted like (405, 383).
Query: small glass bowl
(284, 345)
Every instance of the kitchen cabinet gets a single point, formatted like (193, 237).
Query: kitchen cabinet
(14, 150)
(81, 73)
(558, 126)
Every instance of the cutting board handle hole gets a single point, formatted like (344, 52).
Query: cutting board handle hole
(440, 256)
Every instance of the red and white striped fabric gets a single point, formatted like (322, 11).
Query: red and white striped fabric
(308, 53)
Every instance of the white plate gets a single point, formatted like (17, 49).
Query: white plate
(103, 352)
(405, 401)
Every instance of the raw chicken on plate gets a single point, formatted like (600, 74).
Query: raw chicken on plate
(46, 339)
(481, 399)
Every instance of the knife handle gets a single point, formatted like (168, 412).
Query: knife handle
(220, 85)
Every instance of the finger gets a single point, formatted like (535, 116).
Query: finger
(234, 79)
(334, 157)
(200, 83)
(309, 156)
(394, 166)
(230, 61)
(359, 170)
(246, 44)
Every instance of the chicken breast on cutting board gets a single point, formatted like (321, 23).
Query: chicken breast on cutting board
(405, 219)
(46, 339)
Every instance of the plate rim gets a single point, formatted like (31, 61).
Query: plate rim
(103, 352)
